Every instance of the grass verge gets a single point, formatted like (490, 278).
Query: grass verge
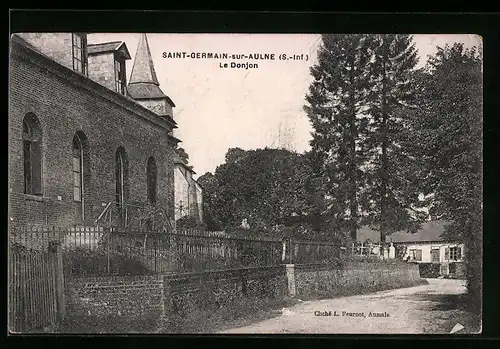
(242, 312)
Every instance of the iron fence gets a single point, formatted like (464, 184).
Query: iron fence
(113, 251)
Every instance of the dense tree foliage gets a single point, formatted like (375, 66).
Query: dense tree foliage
(447, 128)
(267, 187)
(357, 104)
(337, 99)
(391, 198)
(388, 140)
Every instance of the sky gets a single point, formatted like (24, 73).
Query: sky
(217, 109)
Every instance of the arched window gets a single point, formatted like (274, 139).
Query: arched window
(78, 193)
(151, 178)
(32, 155)
(121, 180)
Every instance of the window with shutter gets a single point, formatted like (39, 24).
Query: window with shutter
(418, 255)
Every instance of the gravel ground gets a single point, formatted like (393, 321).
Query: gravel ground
(433, 308)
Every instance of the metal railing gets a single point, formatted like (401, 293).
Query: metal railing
(117, 251)
(134, 216)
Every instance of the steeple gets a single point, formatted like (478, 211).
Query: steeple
(143, 69)
(144, 86)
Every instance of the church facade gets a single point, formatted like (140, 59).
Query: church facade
(85, 144)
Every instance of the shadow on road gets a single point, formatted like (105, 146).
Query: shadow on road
(443, 302)
(449, 310)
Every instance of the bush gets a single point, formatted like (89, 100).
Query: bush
(429, 270)
(84, 261)
(188, 222)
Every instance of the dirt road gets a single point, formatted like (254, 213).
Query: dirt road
(422, 309)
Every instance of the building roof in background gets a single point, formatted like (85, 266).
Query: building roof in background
(429, 231)
(186, 166)
(109, 47)
(181, 161)
(366, 233)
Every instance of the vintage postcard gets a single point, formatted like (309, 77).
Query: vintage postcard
(245, 183)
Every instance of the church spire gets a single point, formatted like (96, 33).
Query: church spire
(143, 85)
(143, 70)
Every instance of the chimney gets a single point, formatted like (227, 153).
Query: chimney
(107, 65)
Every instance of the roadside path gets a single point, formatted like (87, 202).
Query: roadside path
(421, 309)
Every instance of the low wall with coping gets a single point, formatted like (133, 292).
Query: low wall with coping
(214, 289)
(176, 298)
(115, 296)
(317, 280)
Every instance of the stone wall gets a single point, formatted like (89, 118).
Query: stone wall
(171, 298)
(315, 280)
(185, 293)
(175, 302)
(128, 296)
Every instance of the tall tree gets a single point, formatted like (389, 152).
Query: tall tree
(391, 198)
(448, 132)
(336, 105)
(268, 187)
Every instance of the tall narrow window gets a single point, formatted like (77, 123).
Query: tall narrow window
(78, 177)
(119, 179)
(151, 178)
(120, 77)
(79, 53)
(32, 156)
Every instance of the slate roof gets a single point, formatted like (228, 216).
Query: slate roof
(143, 82)
(430, 231)
(19, 39)
(143, 69)
(144, 90)
(108, 47)
(179, 161)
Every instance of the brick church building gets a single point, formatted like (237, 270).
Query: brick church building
(83, 143)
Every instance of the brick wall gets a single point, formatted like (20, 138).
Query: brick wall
(316, 280)
(65, 102)
(128, 296)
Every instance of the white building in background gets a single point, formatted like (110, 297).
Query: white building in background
(426, 246)
(188, 193)
(448, 255)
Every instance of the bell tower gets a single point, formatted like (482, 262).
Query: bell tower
(144, 86)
